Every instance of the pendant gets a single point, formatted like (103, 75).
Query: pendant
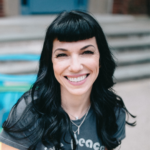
(78, 130)
(76, 117)
(75, 135)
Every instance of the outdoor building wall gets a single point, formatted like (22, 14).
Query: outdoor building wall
(130, 6)
(1, 8)
(100, 6)
(11, 7)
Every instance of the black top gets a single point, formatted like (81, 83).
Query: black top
(87, 138)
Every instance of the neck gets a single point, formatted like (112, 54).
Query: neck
(75, 105)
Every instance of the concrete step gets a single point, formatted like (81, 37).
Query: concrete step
(132, 57)
(35, 46)
(39, 34)
(20, 33)
(19, 67)
(133, 28)
(34, 27)
(130, 43)
(21, 47)
(128, 38)
(122, 73)
(132, 72)
(46, 19)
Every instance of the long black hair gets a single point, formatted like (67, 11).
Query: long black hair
(45, 105)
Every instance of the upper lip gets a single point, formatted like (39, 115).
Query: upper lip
(76, 75)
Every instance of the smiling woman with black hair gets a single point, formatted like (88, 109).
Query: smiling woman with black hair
(72, 104)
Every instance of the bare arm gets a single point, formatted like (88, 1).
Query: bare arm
(6, 147)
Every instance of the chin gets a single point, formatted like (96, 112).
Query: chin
(78, 92)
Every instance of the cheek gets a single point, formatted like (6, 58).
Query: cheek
(58, 68)
(93, 63)
(57, 72)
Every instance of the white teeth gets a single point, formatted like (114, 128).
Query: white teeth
(78, 79)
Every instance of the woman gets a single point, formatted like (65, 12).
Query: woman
(72, 104)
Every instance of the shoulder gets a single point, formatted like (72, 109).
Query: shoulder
(120, 114)
(26, 98)
(24, 101)
(22, 108)
(15, 128)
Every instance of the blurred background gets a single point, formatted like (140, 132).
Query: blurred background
(126, 24)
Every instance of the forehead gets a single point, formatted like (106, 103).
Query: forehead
(76, 44)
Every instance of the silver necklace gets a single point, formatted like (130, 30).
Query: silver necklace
(78, 127)
(76, 117)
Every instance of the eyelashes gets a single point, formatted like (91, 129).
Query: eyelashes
(88, 52)
(61, 55)
(84, 53)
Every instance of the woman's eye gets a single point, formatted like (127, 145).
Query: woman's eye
(61, 55)
(88, 52)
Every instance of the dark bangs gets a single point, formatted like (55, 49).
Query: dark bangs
(71, 27)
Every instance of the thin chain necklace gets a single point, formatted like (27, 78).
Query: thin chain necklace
(78, 127)
(76, 117)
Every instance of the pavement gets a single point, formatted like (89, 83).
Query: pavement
(136, 96)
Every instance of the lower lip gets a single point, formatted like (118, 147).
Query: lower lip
(77, 83)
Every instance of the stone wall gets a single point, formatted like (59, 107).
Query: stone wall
(1, 8)
(131, 6)
(11, 7)
(100, 6)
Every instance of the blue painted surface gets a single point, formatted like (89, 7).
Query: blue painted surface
(17, 78)
(19, 57)
(7, 100)
(53, 6)
(10, 97)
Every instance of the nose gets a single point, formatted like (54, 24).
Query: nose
(75, 64)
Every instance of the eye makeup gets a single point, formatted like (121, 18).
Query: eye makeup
(61, 55)
(88, 52)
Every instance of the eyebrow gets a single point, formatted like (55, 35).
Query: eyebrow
(86, 47)
(83, 48)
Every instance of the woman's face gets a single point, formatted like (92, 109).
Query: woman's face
(76, 65)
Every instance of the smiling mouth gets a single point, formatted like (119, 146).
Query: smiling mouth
(77, 79)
